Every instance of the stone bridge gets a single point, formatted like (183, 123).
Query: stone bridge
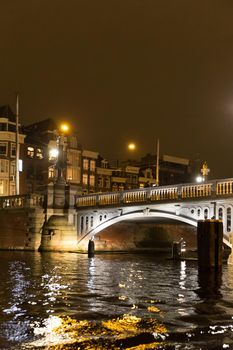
(184, 203)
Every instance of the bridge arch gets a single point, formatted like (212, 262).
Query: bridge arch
(90, 234)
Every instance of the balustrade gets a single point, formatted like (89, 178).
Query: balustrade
(134, 196)
(86, 201)
(29, 200)
(194, 191)
(110, 198)
(164, 193)
(224, 187)
(159, 194)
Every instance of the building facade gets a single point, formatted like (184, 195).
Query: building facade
(8, 152)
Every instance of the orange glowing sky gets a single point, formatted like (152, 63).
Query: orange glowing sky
(125, 69)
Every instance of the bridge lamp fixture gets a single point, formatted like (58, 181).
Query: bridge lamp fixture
(199, 179)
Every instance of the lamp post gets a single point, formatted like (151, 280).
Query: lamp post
(61, 158)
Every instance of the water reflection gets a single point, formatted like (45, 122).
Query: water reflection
(54, 298)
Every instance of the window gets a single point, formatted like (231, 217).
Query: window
(51, 172)
(73, 174)
(206, 212)
(100, 182)
(13, 168)
(39, 153)
(85, 164)
(92, 165)
(114, 187)
(85, 179)
(121, 187)
(107, 182)
(92, 180)
(3, 187)
(228, 219)
(30, 152)
(220, 213)
(12, 188)
(13, 149)
(3, 148)
(4, 166)
(81, 224)
(3, 126)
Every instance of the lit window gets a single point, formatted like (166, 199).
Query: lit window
(3, 148)
(121, 187)
(85, 164)
(13, 168)
(51, 172)
(115, 187)
(13, 150)
(69, 173)
(39, 153)
(4, 187)
(92, 180)
(30, 152)
(1, 187)
(85, 179)
(92, 165)
(4, 166)
(12, 188)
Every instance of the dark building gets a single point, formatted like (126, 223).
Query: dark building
(41, 153)
(172, 170)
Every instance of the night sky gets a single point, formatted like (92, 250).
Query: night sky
(125, 70)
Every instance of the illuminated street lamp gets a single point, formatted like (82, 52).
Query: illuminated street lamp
(60, 152)
(131, 146)
(199, 179)
(53, 153)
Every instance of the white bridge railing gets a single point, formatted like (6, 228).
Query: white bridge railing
(151, 194)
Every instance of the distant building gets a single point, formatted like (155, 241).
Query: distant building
(8, 152)
(89, 171)
(41, 152)
(172, 170)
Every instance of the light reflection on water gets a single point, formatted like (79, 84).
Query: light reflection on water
(39, 291)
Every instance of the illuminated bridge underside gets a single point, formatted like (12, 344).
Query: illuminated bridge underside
(186, 203)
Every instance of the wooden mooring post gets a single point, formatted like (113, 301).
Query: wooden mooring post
(91, 249)
(210, 244)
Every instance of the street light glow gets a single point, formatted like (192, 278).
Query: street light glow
(131, 146)
(53, 153)
(64, 127)
(199, 179)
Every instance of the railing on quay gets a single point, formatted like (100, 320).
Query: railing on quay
(176, 192)
(21, 201)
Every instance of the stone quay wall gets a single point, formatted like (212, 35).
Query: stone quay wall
(21, 222)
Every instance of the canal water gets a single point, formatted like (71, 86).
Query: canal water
(112, 301)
